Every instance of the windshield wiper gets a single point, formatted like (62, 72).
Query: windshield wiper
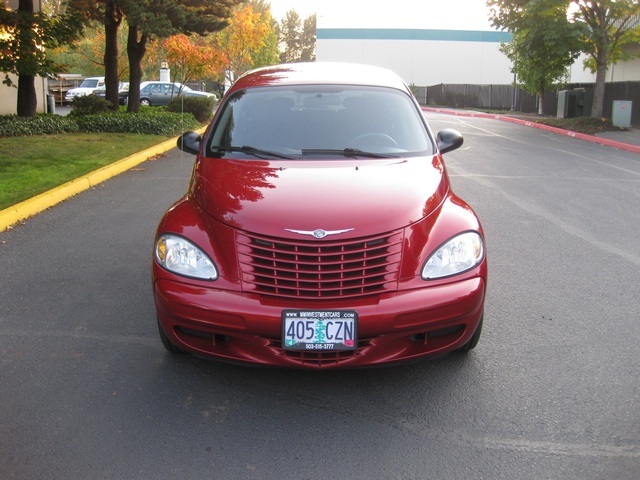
(257, 152)
(347, 152)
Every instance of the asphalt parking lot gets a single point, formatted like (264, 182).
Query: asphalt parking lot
(550, 392)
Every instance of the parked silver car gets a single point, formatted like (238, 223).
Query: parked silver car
(161, 93)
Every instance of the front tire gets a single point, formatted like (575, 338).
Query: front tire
(168, 344)
(145, 101)
(473, 341)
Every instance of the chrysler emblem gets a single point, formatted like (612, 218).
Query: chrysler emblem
(318, 233)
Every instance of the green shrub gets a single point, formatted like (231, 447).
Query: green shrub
(200, 107)
(90, 105)
(157, 123)
(145, 110)
(42, 124)
(152, 120)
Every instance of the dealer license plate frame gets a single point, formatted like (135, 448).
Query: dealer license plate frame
(319, 330)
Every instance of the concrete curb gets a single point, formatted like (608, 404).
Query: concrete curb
(37, 204)
(505, 118)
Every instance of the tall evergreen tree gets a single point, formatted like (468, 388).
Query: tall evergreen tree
(297, 38)
(308, 39)
(290, 37)
(109, 13)
(162, 18)
(112, 19)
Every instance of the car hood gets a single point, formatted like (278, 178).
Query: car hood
(81, 91)
(271, 198)
(197, 93)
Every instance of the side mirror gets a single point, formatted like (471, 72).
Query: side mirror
(189, 142)
(449, 139)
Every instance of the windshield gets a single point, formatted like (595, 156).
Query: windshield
(320, 120)
(89, 83)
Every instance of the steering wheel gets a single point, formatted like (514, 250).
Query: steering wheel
(375, 139)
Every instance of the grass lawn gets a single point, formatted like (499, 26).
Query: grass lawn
(32, 165)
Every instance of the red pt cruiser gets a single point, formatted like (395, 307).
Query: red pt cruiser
(319, 229)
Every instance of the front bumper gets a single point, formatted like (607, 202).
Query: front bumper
(393, 328)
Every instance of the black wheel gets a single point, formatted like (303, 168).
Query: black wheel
(145, 101)
(473, 341)
(166, 342)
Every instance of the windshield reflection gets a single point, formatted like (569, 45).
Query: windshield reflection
(288, 120)
(222, 188)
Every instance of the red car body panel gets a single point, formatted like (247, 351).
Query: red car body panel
(230, 200)
(276, 195)
(391, 330)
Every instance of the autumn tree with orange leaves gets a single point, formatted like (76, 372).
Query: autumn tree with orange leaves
(191, 58)
(243, 40)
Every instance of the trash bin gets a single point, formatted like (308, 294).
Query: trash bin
(584, 101)
(621, 113)
(51, 104)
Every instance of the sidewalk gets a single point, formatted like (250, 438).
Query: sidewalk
(629, 137)
(628, 140)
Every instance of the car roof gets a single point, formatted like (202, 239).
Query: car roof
(320, 73)
(152, 82)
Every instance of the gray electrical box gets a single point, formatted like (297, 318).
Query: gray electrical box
(621, 116)
(575, 103)
(566, 104)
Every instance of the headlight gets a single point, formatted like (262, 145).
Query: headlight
(459, 254)
(182, 257)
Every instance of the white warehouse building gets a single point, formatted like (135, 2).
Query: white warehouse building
(425, 42)
(421, 56)
(430, 42)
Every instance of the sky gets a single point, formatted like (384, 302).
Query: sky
(279, 8)
(413, 14)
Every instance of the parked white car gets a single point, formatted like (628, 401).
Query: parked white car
(87, 87)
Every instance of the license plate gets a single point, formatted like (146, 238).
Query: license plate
(319, 329)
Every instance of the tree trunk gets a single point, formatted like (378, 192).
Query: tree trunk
(135, 51)
(541, 103)
(27, 99)
(25, 6)
(598, 91)
(113, 18)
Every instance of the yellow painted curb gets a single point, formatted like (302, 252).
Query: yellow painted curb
(37, 204)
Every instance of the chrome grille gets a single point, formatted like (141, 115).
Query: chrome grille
(319, 269)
